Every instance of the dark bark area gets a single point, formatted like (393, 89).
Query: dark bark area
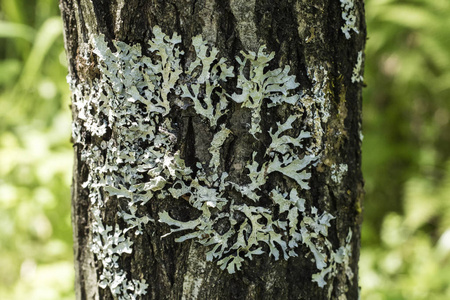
(303, 34)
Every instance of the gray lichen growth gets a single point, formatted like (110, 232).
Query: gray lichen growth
(274, 86)
(216, 144)
(349, 16)
(129, 101)
(340, 256)
(338, 172)
(357, 70)
(206, 76)
(128, 109)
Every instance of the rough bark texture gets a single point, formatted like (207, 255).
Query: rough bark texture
(304, 34)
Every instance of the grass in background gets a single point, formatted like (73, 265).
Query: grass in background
(35, 154)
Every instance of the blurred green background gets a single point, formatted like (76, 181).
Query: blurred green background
(406, 152)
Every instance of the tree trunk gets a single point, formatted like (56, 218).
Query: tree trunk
(217, 148)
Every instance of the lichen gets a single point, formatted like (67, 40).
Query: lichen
(128, 101)
(339, 257)
(127, 110)
(274, 86)
(338, 172)
(357, 70)
(108, 246)
(216, 144)
(206, 74)
(349, 16)
(316, 103)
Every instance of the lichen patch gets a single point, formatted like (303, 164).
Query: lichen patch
(349, 16)
(125, 129)
(357, 70)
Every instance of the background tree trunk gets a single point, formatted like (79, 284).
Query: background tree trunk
(122, 207)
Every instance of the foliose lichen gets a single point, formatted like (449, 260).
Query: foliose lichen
(128, 109)
(357, 70)
(125, 109)
(274, 86)
(349, 16)
(205, 75)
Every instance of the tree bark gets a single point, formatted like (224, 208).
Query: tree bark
(217, 148)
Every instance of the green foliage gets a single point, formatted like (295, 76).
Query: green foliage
(406, 152)
(412, 260)
(35, 154)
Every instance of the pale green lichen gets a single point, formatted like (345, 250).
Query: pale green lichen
(206, 74)
(357, 70)
(293, 167)
(273, 86)
(338, 257)
(216, 144)
(108, 246)
(284, 144)
(286, 155)
(349, 16)
(132, 100)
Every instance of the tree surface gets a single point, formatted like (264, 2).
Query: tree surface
(217, 148)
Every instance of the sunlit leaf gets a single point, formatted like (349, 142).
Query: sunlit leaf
(14, 30)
